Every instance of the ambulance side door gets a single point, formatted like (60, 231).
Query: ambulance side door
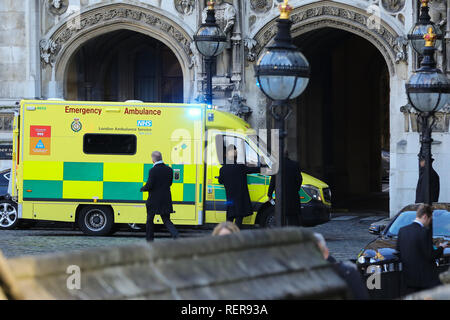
(257, 183)
(211, 182)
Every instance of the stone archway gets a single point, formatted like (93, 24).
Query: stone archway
(387, 40)
(335, 15)
(340, 128)
(124, 65)
(65, 39)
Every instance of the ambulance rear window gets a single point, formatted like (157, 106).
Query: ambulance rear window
(121, 144)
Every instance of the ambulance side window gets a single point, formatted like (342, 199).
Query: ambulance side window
(251, 157)
(119, 144)
(246, 154)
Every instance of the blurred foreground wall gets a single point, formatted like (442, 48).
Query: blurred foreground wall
(261, 264)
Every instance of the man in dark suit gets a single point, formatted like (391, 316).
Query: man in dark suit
(417, 254)
(233, 176)
(293, 182)
(159, 200)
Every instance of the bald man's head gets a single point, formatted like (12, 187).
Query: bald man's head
(156, 156)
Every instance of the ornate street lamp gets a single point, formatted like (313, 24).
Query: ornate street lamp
(210, 42)
(282, 73)
(421, 28)
(428, 91)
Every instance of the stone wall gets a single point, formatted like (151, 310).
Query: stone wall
(14, 51)
(262, 264)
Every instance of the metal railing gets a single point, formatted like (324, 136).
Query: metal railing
(384, 278)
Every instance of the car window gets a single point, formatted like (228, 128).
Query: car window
(402, 220)
(441, 222)
(4, 177)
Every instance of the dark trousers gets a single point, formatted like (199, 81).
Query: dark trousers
(411, 290)
(150, 234)
(238, 221)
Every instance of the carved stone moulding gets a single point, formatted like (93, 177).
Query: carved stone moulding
(412, 123)
(185, 7)
(57, 7)
(261, 6)
(309, 18)
(108, 15)
(393, 6)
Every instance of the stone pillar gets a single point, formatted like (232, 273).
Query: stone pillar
(447, 39)
(237, 52)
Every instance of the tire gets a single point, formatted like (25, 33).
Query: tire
(267, 218)
(96, 220)
(9, 215)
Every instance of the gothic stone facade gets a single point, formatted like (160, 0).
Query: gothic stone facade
(38, 38)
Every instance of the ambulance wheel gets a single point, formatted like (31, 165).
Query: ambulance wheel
(9, 217)
(267, 217)
(96, 220)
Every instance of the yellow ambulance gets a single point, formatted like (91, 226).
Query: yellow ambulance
(85, 162)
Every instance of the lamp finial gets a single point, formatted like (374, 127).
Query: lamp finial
(285, 10)
(210, 5)
(424, 3)
(430, 38)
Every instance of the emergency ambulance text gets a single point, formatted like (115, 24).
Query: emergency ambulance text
(83, 111)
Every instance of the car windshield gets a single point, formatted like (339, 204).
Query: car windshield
(441, 223)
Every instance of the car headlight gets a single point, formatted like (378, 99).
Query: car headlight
(362, 260)
(313, 192)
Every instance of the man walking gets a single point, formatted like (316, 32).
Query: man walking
(292, 182)
(417, 254)
(234, 177)
(159, 200)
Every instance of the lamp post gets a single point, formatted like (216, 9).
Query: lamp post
(210, 42)
(420, 29)
(282, 74)
(428, 91)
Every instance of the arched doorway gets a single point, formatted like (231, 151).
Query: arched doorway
(342, 123)
(122, 65)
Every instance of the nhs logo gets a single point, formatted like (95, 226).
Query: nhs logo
(144, 123)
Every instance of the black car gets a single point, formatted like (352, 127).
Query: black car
(380, 255)
(5, 175)
(383, 247)
(9, 217)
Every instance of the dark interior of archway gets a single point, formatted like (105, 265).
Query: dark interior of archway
(342, 120)
(123, 65)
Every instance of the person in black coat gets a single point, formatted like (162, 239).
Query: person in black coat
(293, 182)
(234, 177)
(347, 271)
(417, 254)
(159, 199)
(421, 188)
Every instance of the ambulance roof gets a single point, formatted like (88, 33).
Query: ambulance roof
(225, 120)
